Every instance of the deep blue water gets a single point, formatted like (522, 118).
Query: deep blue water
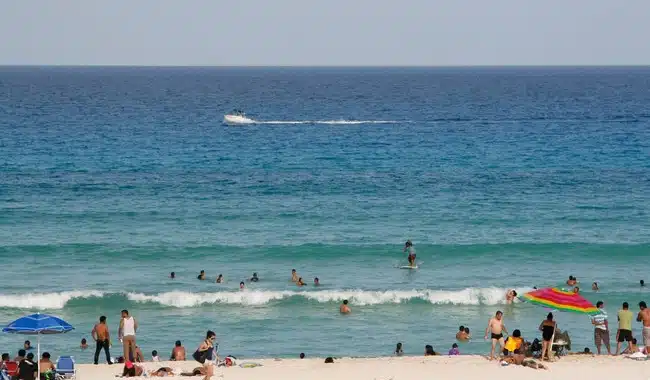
(110, 178)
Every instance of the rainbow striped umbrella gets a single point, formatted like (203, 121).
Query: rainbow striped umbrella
(558, 299)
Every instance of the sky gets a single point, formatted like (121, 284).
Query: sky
(324, 33)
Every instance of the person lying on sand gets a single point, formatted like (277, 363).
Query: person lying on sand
(586, 351)
(198, 371)
(521, 360)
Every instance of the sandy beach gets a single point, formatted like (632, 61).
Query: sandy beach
(406, 368)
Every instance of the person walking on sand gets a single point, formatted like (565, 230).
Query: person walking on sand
(601, 329)
(203, 354)
(102, 338)
(126, 333)
(496, 328)
(624, 333)
(644, 317)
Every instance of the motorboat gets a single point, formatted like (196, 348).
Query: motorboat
(237, 117)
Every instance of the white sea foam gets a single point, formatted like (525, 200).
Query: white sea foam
(183, 299)
(187, 299)
(44, 301)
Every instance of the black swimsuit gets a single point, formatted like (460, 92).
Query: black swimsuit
(547, 332)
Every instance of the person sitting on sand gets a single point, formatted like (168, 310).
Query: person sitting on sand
(398, 350)
(201, 276)
(519, 359)
(510, 295)
(139, 356)
(219, 279)
(428, 350)
(302, 355)
(454, 350)
(496, 329)
(154, 356)
(46, 366)
(300, 282)
(254, 278)
(344, 308)
(178, 353)
(513, 343)
(294, 276)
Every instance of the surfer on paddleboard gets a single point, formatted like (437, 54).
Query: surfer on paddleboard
(409, 246)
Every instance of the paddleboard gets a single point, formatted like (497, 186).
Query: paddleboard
(408, 267)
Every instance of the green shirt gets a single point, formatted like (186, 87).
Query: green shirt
(625, 320)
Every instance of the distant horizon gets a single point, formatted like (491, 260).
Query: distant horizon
(324, 66)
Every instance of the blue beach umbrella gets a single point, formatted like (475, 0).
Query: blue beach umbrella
(38, 324)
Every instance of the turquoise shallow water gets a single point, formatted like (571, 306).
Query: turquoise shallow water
(110, 178)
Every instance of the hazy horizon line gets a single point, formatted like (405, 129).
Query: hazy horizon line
(321, 66)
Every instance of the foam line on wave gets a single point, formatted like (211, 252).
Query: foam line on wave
(188, 299)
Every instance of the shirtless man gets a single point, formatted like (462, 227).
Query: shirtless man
(345, 309)
(294, 276)
(644, 317)
(178, 353)
(496, 328)
(510, 296)
(102, 338)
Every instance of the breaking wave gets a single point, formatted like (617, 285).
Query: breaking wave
(183, 299)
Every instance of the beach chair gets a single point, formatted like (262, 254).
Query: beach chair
(65, 367)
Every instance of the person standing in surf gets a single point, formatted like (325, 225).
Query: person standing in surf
(409, 246)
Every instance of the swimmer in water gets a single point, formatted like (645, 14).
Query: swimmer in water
(344, 308)
(219, 279)
(242, 285)
(201, 275)
(172, 275)
(294, 276)
(510, 296)
(316, 281)
(254, 278)
(409, 246)
(300, 282)
(594, 287)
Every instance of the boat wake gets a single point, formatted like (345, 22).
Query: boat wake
(314, 122)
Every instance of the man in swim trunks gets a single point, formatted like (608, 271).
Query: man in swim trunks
(496, 328)
(409, 246)
(624, 333)
(644, 317)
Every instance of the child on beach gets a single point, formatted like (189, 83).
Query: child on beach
(154, 356)
(454, 350)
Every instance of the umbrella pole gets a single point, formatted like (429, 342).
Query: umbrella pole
(38, 358)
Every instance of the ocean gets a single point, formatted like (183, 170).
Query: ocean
(111, 178)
